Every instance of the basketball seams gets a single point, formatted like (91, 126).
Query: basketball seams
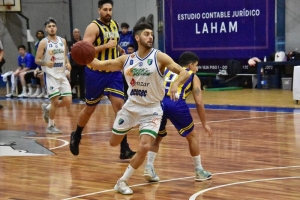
(83, 52)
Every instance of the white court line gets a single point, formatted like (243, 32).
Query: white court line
(176, 179)
(194, 196)
(50, 138)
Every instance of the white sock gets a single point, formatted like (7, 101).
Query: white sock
(51, 122)
(128, 173)
(151, 157)
(43, 90)
(24, 89)
(30, 90)
(197, 162)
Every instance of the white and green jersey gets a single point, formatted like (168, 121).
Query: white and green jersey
(55, 51)
(145, 81)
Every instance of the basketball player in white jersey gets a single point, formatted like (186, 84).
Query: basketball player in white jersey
(143, 71)
(52, 57)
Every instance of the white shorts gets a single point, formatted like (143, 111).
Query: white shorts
(57, 87)
(148, 117)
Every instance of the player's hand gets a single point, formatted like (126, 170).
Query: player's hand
(208, 130)
(173, 92)
(50, 64)
(111, 43)
(68, 66)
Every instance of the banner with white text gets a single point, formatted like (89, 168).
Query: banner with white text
(220, 29)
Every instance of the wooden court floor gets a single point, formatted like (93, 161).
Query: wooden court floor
(252, 155)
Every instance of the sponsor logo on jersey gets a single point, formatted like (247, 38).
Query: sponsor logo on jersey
(132, 82)
(136, 92)
(155, 113)
(140, 72)
(61, 44)
(149, 61)
(121, 121)
(140, 64)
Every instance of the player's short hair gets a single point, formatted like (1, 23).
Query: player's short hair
(140, 27)
(50, 20)
(102, 2)
(125, 25)
(130, 45)
(21, 46)
(188, 57)
(39, 31)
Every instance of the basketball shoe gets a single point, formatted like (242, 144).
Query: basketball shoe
(202, 175)
(127, 154)
(149, 174)
(53, 130)
(122, 187)
(74, 144)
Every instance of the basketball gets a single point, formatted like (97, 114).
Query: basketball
(83, 52)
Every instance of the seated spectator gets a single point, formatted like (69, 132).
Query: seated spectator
(26, 62)
(36, 75)
(126, 37)
(130, 49)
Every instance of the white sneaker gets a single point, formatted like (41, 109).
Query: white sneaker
(10, 95)
(149, 174)
(41, 95)
(35, 95)
(202, 175)
(23, 94)
(53, 130)
(45, 112)
(122, 187)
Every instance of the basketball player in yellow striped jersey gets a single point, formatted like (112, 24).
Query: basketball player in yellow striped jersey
(179, 114)
(104, 34)
(144, 73)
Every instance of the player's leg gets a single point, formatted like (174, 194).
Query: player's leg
(201, 174)
(115, 93)
(149, 171)
(95, 82)
(149, 126)
(23, 83)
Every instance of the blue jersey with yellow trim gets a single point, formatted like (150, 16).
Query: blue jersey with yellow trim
(183, 90)
(106, 32)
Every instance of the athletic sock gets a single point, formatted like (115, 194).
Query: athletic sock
(197, 162)
(128, 173)
(151, 157)
(124, 144)
(78, 132)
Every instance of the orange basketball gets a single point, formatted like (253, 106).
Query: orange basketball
(83, 52)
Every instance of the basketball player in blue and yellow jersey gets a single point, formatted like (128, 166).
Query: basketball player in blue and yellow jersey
(179, 114)
(104, 34)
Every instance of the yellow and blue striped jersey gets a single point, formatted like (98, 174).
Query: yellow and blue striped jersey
(106, 32)
(183, 90)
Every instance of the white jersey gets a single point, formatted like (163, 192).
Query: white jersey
(55, 51)
(145, 81)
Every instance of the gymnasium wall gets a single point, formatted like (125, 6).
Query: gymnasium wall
(13, 32)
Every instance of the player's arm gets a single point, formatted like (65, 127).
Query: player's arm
(166, 61)
(68, 65)
(1, 54)
(90, 35)
(199, 104)
(110, 65)
(40, 53)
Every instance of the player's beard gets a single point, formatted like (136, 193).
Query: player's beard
(106, 19)
(146, 45)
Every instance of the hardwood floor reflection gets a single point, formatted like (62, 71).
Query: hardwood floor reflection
(252, 155)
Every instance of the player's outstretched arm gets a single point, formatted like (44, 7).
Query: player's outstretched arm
(109, 65)
(199, 104)
(166, 61)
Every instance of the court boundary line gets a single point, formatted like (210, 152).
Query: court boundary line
(195, 195)
(182, 178)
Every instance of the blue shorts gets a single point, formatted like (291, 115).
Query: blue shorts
(98, 84)
(179, 114)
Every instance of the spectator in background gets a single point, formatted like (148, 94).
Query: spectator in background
(130, 49)
(252, 61)
(126, 37)
(25, 63)
(39, 35)
(1, 61)
(77, 70)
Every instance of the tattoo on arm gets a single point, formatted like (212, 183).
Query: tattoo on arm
(197, 91)
(40, 62)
